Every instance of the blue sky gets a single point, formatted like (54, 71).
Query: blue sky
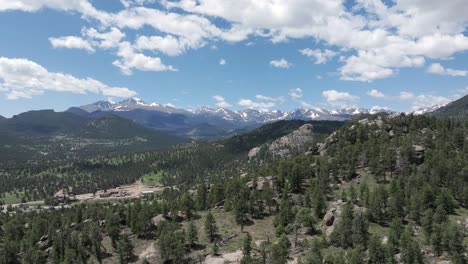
(277, 54)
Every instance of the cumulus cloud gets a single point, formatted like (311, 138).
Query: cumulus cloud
(222, 62)
(168, 45)
(268, 98)
(282, 63)
(375, 93)
(104, 40)
(437, 68)
(71, 42)
(221, 102)
(320, 56)
(422, 100)
(263, 106)
(378, 37)
(129, 60)
(296, 93)
(22, 78)
(340, 99)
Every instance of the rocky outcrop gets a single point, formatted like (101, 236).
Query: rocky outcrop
(261, 181)
(418, 155)
(287, 145)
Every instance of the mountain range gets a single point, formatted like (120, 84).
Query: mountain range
(206, 122)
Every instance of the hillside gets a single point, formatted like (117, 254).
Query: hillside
(269, 132)
(457, 109)
(382, 189)
(49, 135)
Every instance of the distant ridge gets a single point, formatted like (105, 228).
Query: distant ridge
(208, 123)
(61, 135)
(457, 109)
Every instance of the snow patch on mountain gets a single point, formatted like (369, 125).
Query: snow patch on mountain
(241, 116)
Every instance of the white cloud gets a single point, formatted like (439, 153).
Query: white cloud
(296, 93)
(105, 40)
(422, 100)
(437, 68)
(375, 93)
(71, 42)
(22, 78)
(268, 98)
(129, 60)
(378, 37)
(340, 99)
(222, 62)
(320, 56)
(168, 45)
(263, 106)
(282, 63)
(406, 95)
(221, 102)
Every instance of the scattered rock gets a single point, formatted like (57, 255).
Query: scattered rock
(157, 220)
(329, 218)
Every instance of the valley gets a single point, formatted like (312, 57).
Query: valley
(380, 188)
(233, 132)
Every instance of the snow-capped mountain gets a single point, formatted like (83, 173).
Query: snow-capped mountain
(425, 110)
(237, 118)
(202, 123)
(129, 105)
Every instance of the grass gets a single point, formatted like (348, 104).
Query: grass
(11, 198)
(262, 229)
(151, 178)
(379, 230)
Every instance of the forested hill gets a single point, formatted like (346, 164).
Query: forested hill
(269, 132)
(458, 109)
(48, 135)
(382, 189)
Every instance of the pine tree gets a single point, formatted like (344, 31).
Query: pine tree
(125, 249)
(187, 205)
(113, 228)
(313, 255)
(267, 195)
(247, 249)
(171, 241)
(343, 232)
(409, 248)
(210, 227)
(360, 230)
(376, 251)
(192, 234)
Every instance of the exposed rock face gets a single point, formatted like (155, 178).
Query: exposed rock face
(295, 140)
(254, 152)
(419, 154)
(286, 145)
